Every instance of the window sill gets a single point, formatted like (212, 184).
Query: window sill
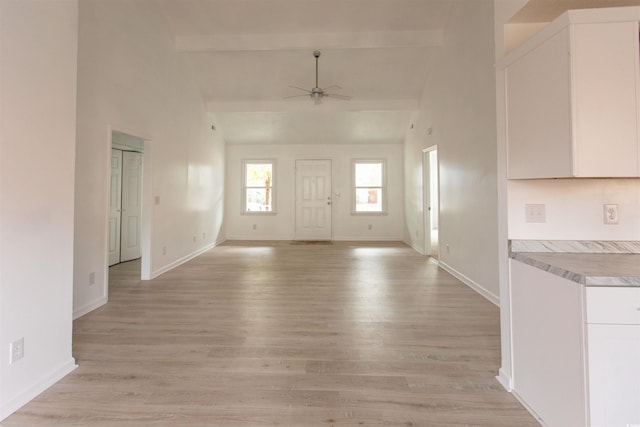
(259, 213)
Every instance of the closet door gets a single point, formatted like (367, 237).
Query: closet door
(115, 206)
(131, 206)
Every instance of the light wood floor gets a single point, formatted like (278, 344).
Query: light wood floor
(254, 334)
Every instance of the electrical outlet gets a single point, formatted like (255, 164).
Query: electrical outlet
(194, 239)
(370, 226)
(16, 350)
(255, 226)
(610, 212)
(535, 213)
(204, 236)
(92, 278)
(164, 250)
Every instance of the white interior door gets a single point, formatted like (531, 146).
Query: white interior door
(430, 199)
(131, 206)
(313, 199)
(115, 199)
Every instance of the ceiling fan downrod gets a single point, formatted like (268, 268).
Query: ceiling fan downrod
(316, 54)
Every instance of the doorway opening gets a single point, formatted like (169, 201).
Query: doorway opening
(431, 199)
(128, 228)
(125, 206)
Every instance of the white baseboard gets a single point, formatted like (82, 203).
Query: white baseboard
(250, 237)
(335, 239)
(414, 247)
(9, 407)
(493, 298)
(504, 380)
(81, 311)
(367, 239)
(182, 260)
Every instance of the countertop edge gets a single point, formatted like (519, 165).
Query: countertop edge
(561, 272)
(563, 268)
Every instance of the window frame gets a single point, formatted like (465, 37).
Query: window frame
(243, 195)
(383, 186)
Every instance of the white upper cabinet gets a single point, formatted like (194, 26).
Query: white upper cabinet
(573, 97)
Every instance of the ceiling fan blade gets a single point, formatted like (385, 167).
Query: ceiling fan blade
(337, 96)
(300, 88)
(296, 96)
(336, 87)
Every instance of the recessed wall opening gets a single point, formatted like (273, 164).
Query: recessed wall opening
(128, 225)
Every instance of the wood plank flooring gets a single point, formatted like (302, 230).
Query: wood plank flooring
(270, 333)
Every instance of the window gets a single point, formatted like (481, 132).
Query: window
(258, 186)
(369, 186)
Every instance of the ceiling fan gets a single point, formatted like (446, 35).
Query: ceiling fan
(317, 93)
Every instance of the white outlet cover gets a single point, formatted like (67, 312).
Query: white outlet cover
(16, 350)
(610, 213)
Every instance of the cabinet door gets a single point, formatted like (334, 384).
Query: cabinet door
(614, 375)
(604, 59)
(539, 113)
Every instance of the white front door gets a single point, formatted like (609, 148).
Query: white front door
(131, 206)
(313, 199)
(115, 206)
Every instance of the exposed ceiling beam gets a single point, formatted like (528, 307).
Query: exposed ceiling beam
(261, 42)
(308, 105)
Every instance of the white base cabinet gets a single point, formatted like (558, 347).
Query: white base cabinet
(575, 349)
(548, 345)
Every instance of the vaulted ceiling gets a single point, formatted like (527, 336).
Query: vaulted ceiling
(245, 55)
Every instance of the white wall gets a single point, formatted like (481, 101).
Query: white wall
(38, 45)
(344, 225)
(131, 79)
(574, 209)
(459, 104)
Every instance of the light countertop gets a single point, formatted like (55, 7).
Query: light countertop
(590, 269)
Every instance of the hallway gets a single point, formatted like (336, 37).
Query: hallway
(276, 333)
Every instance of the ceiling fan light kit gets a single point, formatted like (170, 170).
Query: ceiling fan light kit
(317, 93)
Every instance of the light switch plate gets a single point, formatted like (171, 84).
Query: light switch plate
(535, 213)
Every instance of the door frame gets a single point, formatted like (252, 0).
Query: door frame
(147, 196)
(295, 190)
(426, 200)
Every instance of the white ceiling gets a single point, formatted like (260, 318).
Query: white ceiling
(245, 54)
